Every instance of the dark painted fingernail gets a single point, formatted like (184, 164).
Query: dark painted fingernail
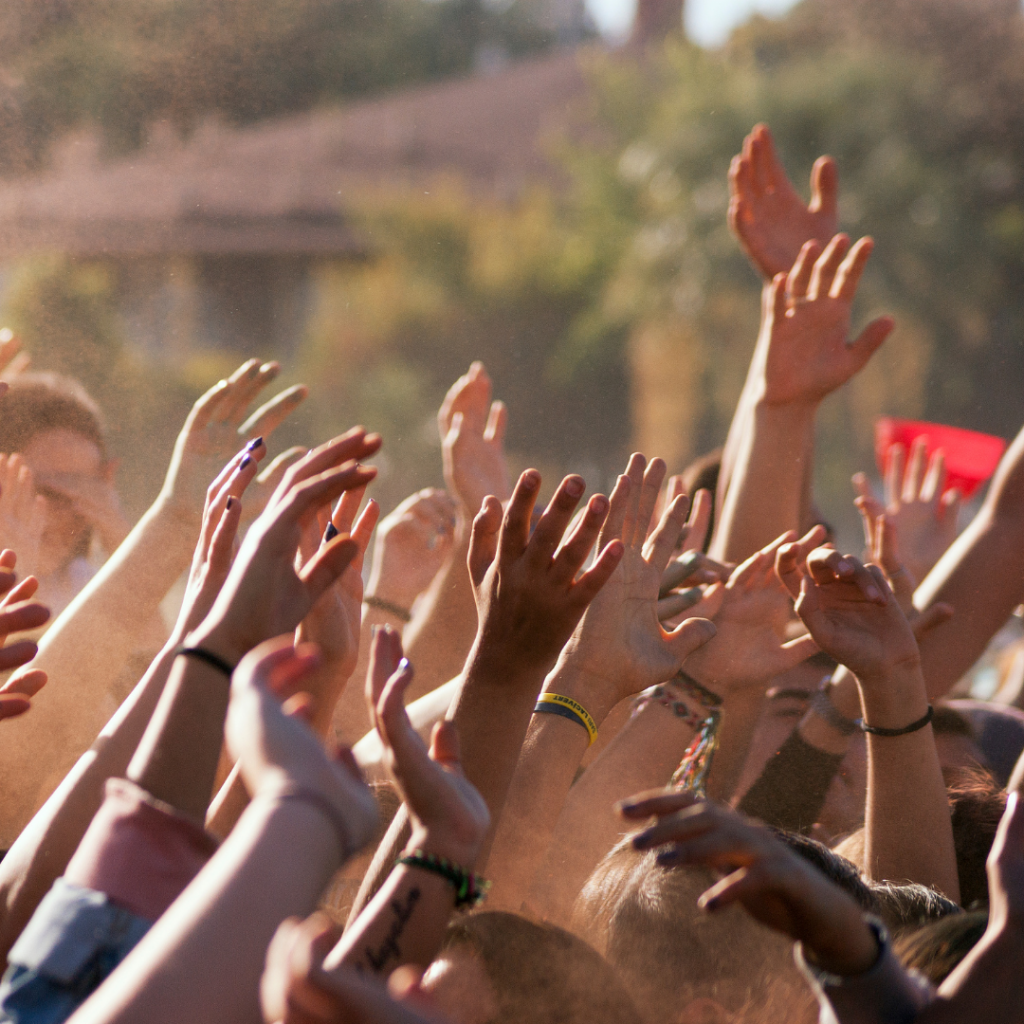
(231, 502)
(330, 533)
(691, 596)
(245, 463)
(254, 444)
(404, 665)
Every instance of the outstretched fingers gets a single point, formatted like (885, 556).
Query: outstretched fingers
(573, 553)
(515, 527)
(483, 540)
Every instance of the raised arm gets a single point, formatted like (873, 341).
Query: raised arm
(406, 921)
(618, 649)
(803, 354)
(91, 640)
(981, 576)
(472, 430)
(852, 614)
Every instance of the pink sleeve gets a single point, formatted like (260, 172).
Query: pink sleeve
(140, 851)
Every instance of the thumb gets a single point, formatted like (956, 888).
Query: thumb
(870, 339)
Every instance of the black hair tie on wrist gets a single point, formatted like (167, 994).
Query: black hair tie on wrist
(877, 730)
(211, 659)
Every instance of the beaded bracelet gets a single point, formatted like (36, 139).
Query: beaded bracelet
(664, 695)
(470, 889)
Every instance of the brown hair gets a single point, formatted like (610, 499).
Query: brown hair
(541, 973)
(976, 804)
(936, 949)
(48, 401)
(668, 954)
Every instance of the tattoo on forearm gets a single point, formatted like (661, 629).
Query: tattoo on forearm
(389, 948)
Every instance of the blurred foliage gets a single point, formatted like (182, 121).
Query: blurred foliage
(123, 64)
(459, 279)
(617, 310)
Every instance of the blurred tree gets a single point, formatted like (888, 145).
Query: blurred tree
(122, 64)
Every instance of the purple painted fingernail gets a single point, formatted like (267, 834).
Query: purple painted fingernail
(403, 665)
(231, 502)
(254, 444)
(330, 533)
(245, 463)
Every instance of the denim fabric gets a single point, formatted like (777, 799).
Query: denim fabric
(74, 941)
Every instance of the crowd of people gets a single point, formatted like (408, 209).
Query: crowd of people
(665, 755)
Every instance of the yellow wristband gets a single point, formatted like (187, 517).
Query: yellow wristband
(556, 704)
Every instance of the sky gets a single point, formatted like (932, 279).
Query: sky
(708, 22)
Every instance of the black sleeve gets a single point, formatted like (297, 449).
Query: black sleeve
(791, 790)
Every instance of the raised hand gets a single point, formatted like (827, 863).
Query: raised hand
(412, 544)
(215, 549)
(472, 430)
(620, 644)
(850, 611)
(749, 647)
(529, 588)
(22, 512)
(766, 215)
(774, 884)
(805, 324)
(918, 509)
(334, 621)
(217, 425)
(449, 817)
(295, 988)
(278, 753)
(18, 613)
(266, 595)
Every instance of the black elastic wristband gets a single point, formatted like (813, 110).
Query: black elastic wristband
(562, 712)
(211, 659)
(877, 730)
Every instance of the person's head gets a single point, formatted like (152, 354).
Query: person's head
(935, 949)
(955, 739)
(57, 429)
(498, 968)
(681, 965)
(834, 866)
(909, 905)
(976, 805)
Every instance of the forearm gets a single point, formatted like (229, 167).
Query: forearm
(765, 493)
(404, 923)
(177, 757)
(84, 650)
(908, 830)
(642, 756)
(217, 932)
(544, 775)
(444, 625)
(492, 711)
(988, 984)
(981, 576)
(43, 849)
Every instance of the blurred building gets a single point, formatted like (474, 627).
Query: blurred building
(217, 240)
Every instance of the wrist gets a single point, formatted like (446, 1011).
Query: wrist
(846, 951)
(438, 842)
(573, 681)
(218, 641)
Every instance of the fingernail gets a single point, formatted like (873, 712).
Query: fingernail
(688, 561)
(639, 841)
(691, 595)
(404, 665)
(330, 533)
(531, 479)
(254, 444)
(599, 503)
(574, 487)
(245, 463)
(844, 565)
(231, 502)
(872, 593)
